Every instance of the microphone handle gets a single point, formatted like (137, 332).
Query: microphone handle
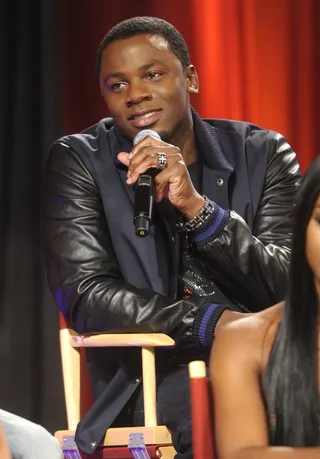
(143, 203)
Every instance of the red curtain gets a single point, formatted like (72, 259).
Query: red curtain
(258, 60)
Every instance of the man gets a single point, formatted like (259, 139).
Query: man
(25, 439)
(219, 244)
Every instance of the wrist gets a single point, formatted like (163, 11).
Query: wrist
(197, 215)
(193, 207)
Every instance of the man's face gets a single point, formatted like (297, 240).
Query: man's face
(145, 87)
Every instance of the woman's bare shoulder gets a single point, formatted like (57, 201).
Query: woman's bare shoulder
(245, 339)
(254, 324)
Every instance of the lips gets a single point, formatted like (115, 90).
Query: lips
(145, 118)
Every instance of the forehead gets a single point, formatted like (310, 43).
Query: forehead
(134, 52)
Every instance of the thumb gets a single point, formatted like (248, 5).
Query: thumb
(124, 158)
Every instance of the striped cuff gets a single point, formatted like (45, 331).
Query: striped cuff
(212, 227)
(206, 321)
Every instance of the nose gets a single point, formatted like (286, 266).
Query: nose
(137, 92)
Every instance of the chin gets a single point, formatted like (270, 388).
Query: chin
(165, 136)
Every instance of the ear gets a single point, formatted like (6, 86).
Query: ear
(192, 79)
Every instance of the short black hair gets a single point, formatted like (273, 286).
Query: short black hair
(140, 25)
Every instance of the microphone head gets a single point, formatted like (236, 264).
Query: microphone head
(146, 132)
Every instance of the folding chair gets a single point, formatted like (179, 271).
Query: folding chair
(150, 441)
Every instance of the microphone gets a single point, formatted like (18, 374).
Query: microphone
(144, 192)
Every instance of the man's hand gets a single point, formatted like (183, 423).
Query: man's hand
(173, 182)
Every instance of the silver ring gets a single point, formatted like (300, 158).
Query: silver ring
(162, 160)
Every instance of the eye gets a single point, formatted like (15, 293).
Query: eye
(116, 87)
(153, 75)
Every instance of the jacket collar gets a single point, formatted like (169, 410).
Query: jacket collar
(208, 144)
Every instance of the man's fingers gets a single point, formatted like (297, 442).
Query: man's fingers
(124, 158)
(160, 192)
(153, 150)
(171, 174)
(150, 160)
(140, 169)
(149, 141)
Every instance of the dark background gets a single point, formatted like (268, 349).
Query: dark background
(258, 60)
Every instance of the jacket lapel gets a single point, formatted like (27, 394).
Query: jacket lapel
(121, 144)
(216, 169)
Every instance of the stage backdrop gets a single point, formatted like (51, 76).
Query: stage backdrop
(258, 60)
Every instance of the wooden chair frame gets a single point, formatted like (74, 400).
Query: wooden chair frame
(153, 434)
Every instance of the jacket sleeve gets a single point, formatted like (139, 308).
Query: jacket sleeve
(252, 266)
(82, 270)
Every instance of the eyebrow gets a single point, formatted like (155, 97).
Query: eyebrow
(123, 75)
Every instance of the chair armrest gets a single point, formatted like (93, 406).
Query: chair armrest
(122, 340)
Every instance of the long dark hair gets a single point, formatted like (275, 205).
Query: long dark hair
(291, 383)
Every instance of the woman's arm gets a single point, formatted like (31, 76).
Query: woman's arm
(241, 425)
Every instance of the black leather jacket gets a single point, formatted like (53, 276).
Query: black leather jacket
(103, 278)
(248, 257)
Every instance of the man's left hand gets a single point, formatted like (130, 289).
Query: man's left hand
(172, 182)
